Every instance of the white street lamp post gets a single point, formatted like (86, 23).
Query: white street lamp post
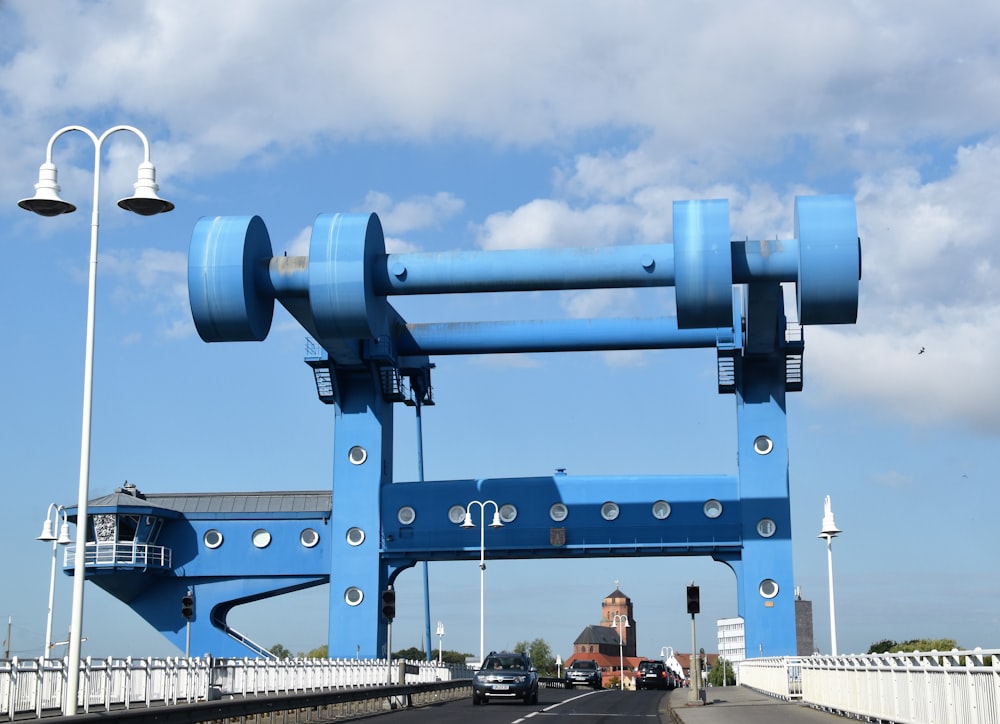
(46, 202)
(467, 523)
(440, 635)
(618, 618)
(830, 531)
(48, 534)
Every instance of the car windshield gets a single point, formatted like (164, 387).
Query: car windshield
(584, 665)
(649, 666)
(504, 662)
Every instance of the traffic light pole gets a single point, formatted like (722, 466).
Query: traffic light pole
(694, 693)
(694, 607)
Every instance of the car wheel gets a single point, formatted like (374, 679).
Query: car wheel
(476, 701)
(534, 697)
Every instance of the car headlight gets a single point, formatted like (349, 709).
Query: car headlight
(520, 679)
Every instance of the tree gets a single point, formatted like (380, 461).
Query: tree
(541, 655)
(722, 673)
(887, 646)
(882, 647)
(411, 654)
(280, 651)
(320, 652)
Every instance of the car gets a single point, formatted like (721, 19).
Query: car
(505, 675)
(583, 671)
(652, 675)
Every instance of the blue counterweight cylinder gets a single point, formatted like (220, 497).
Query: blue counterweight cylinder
(228, 286)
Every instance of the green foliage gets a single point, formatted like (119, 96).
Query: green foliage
(882, 647)
(722, 673)
(886, 646)
(280, 651)
(541, 656)
(454, 657)
(447, 657)
(411, 654)
(318, 653)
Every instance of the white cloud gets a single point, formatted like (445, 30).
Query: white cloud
(418, 212)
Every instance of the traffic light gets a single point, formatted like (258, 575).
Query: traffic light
(693, 600)
(389, 604)
(187, 606)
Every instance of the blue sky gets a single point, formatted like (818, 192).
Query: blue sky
(474, 125)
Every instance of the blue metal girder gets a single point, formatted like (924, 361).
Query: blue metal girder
(339, 294)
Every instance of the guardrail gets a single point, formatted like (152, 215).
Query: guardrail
(314, 706)
(36, 687)
(955, 687)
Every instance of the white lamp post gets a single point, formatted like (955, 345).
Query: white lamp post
(558, 666)
(440, 635)
(830, 531)
(467, 523)
(46, 202)
(618, 618)
(48, 534)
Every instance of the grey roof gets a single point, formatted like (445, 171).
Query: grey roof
(247, 503)
(597, 635)
(269, 504)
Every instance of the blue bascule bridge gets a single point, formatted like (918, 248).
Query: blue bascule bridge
(184, 561)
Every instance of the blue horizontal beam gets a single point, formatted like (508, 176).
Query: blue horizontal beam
(574, 335)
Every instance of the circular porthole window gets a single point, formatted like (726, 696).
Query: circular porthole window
(766, 528)
(456, 514)
(768, 588)
(353, 596)
(261, 538)
(355, 536)
(762, 445)
(357, 455)
(712, 508)
(661, 510)
(609, 511)
(508, 513)
(309, 538)
(406, 515)
(558, 512)
(212, 538)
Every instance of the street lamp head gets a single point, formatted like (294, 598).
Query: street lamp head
(46, 201)
(496, 520)
(467, 523)
(64, 537)
(830, 529)
(47, 532)
(145, 201)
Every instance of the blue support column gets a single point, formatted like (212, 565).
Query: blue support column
(768, 609)
(362, 464)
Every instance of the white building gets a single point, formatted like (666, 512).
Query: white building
(732, 642)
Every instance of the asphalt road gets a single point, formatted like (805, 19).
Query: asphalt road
(555, 706)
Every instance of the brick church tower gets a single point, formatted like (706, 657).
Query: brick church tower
(617, 603)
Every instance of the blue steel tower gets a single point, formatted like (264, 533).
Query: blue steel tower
(368, 528)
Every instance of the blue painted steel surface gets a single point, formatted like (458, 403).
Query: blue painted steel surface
(830, 259)
(225, 279)
(728, 297)
(703, 261)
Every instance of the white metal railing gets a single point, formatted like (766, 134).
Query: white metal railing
(117, 554)
(39, 685)
(955, 687)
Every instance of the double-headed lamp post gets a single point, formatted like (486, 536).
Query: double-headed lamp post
(48, 534)
(619, 618)
(467, 523)
(830, 531)
(46, 202)
(440, 635)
